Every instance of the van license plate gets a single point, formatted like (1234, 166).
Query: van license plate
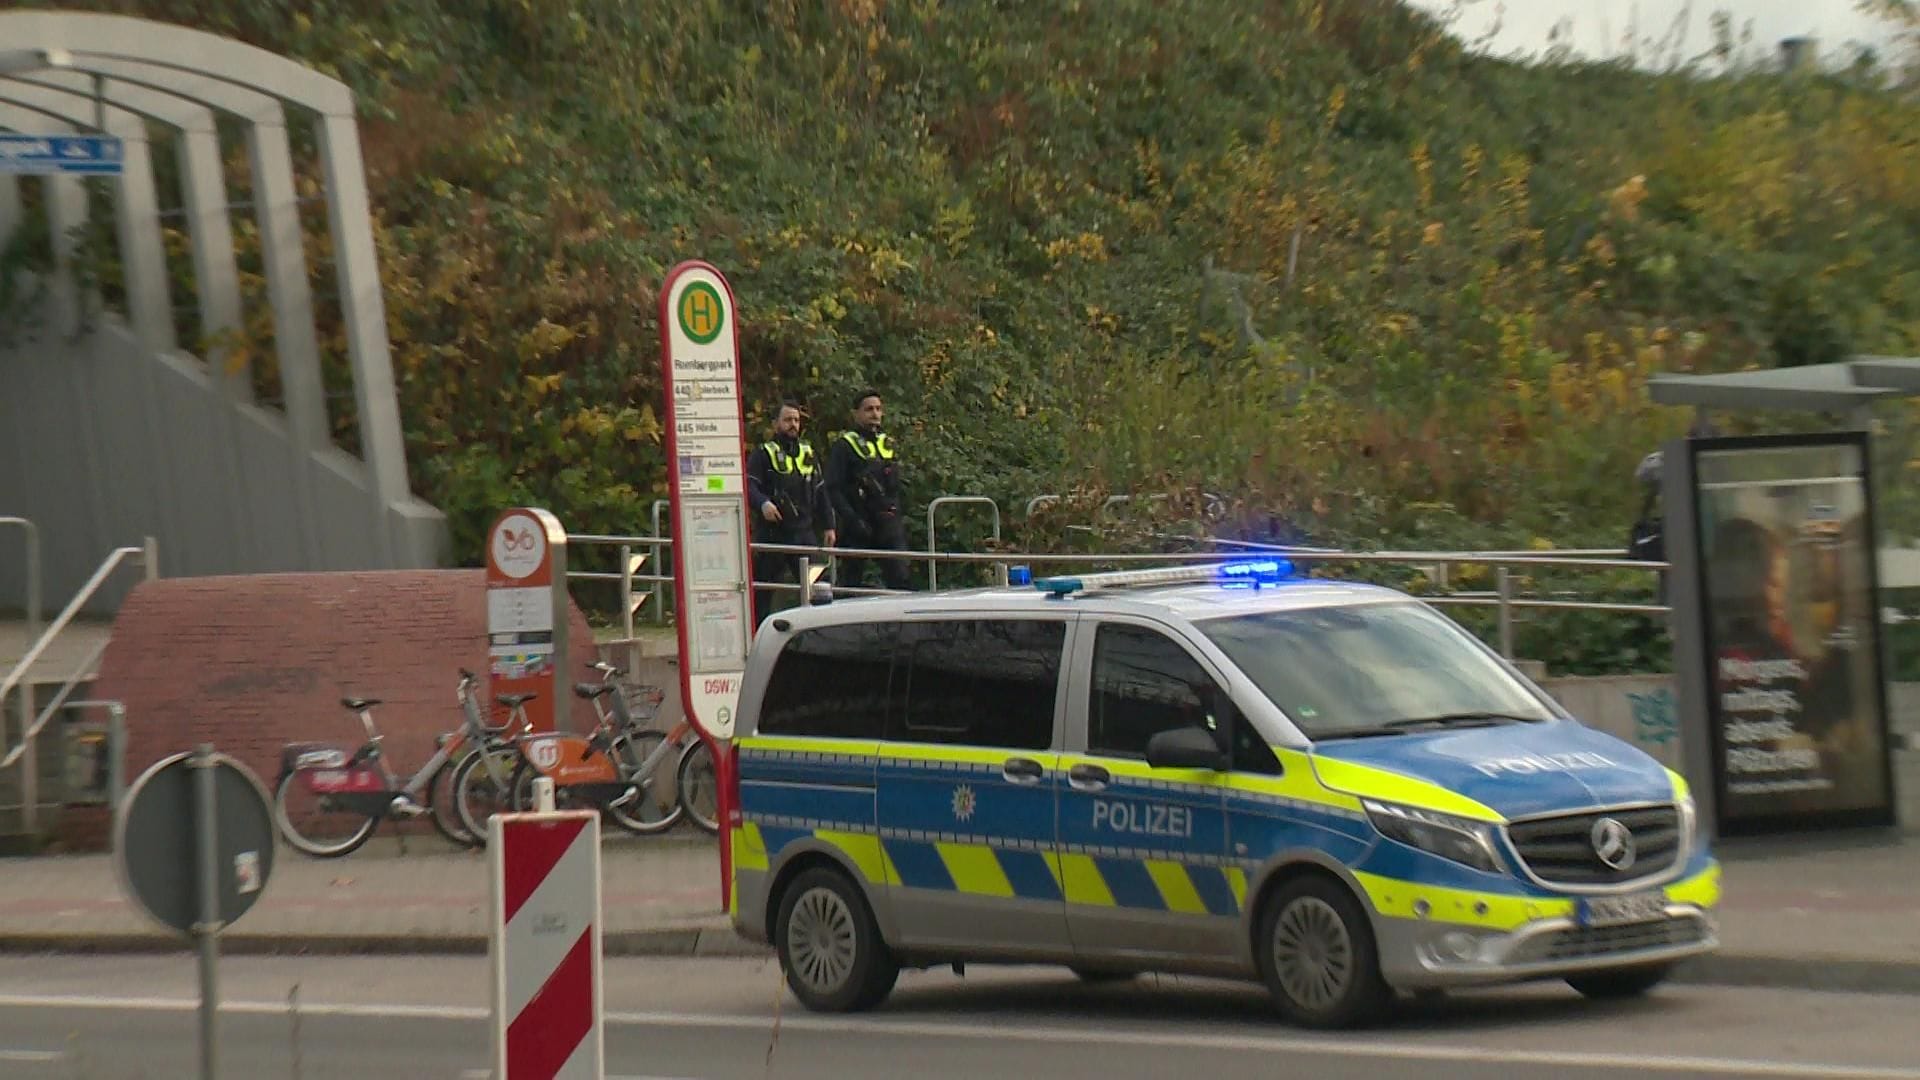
(1618, 910)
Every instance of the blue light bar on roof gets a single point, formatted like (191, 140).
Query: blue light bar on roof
(1238, 574)
(1253, 573)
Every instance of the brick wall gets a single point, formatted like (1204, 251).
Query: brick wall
(250, 663)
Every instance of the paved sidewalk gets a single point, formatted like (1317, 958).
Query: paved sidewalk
(1837, 911)
(1823, 912)
(659, 896)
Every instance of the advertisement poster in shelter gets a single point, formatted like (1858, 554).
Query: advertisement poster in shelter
(1797, 706)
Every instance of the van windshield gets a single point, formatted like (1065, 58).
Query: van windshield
(1372, 669)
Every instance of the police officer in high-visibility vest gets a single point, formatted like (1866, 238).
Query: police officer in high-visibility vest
(784, 486)
(863, 480)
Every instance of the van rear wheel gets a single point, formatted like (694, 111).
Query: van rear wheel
(830, 946)
(1317, 954)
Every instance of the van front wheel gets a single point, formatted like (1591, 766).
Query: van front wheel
(829, 944)
(1317, 954)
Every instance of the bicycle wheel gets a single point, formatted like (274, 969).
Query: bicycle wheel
(699, 787)
(439, 796)
(655, 809)
(476, 795)
(292, 801)
(521, 791)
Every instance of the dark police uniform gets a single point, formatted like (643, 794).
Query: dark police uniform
(863, 481)
(783, 472)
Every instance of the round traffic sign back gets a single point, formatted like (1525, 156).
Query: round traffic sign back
(156, 840)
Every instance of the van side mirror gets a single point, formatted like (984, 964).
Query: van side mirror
(1186, 748)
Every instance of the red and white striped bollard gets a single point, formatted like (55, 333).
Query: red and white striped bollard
(544, 942)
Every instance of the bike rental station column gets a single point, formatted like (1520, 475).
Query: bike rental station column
(527, 611)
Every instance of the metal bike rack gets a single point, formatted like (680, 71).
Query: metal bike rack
(933, 566)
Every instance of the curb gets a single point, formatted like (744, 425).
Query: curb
(1801, 973)
(703, 942)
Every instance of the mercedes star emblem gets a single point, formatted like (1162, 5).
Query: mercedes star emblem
(1613, 843)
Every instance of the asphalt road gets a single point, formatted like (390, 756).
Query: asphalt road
(361, 1019)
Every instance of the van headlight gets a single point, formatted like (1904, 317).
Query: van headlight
(1464, 841)
(1689, 824)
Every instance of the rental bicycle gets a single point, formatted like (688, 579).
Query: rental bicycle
(694, 791)
(643, 779)
(694, 778)
(322, 787)
(587, 770)
(639, 752)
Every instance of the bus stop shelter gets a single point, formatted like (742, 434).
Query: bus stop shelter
(1846, 387)
(1773, 549)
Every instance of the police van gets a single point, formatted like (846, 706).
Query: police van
(1221, 770)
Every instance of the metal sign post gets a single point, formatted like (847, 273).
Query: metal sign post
(206, 811)
(706, 454)
(527, 610)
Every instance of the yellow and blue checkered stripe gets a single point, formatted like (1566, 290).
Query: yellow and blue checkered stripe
(952, 862)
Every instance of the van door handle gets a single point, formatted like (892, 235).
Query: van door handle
(1089, 777)
(1022, 770)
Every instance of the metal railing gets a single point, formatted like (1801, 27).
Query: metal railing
(24, 704)
(1503, 563)
(933, 569)
(659, 600)
(23, 754)
(33, 599)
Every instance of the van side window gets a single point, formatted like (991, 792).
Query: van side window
(979, 682)
(1251, 754)
(831, 682)
(1144, 683)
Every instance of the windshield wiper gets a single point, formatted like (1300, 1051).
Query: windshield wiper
(1359, 733)
(1482, 719)
(1405, 724)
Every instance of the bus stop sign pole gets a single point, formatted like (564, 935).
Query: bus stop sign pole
(706, 470)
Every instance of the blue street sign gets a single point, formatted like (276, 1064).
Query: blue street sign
(54, 155)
